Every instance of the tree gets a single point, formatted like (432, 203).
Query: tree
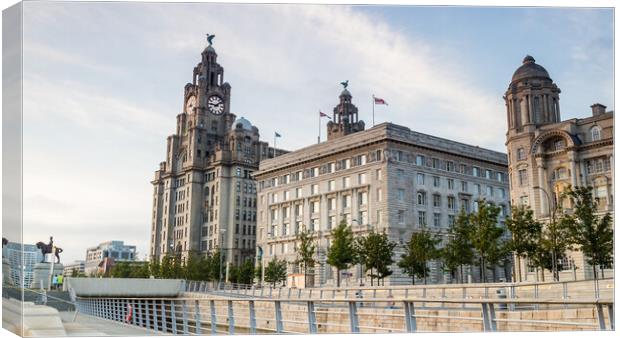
(305, 253)
(421, 248)
(375, 251)
(458, 250)
(341, 252)
(245, 272)
(525, 233)
(592, 233)
(275, 271)
(485, 235)
(155, 268)
(74, 272)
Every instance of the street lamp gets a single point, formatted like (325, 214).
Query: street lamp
(262, 263)
(554, 263)
(221, 255)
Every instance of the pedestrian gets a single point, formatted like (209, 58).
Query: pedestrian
(60, 280)
(54, 282)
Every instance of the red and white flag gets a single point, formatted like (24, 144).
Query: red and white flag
(324, 115)
(380, 101)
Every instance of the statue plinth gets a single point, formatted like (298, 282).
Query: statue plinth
(41, 278)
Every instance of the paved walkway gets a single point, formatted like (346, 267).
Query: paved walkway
(85, 325)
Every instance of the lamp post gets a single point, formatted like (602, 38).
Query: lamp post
(551, 207)
(262, 264)
(221, 256)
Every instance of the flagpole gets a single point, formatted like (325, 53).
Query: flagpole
(319, 139)
(274, 144)
(373, 110)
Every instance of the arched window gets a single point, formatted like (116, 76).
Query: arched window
(595, 133)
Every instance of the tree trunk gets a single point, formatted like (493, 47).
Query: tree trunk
(519, 267)
(413, 280)
(338, 277)
(603, 272)
(462, 276)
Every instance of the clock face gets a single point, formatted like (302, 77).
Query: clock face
(215, 105)
(190, 105)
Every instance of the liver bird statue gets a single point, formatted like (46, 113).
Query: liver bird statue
(210, 38)
(345, 84)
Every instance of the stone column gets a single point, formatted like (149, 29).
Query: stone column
(571, 158)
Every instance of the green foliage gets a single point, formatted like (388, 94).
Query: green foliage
(130, 270)
(275, 271)
(592, 233)
(374, 252)
(526, 234)
(341, 252)
(485, 236)
(421, 248)
(458, 250)
(305, 253)
(242, 274)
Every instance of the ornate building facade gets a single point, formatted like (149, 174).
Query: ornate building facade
(204, 196)
(546, 154)
(386, 178)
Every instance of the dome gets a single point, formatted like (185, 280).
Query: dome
(345, 92)
(245, 124)
(529, 69)
(209, 49)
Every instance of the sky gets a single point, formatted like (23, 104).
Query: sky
(103, 83)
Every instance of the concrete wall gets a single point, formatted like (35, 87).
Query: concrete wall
(124, 287)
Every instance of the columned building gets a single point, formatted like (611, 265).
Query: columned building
(546, 155)
(386, 178)
(204, 197)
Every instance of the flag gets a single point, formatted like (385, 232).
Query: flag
(380, 101)
(322, 114)
(277, 135)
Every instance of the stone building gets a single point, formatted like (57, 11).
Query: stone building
(387, 178)
(546, 154)
(204, 196)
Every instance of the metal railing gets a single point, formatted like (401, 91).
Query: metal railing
(341, 315)
(561, 290)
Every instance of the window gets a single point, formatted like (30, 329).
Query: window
(378, 174)
(523, 200)
(520, 154)
(463, 169)
(465, 204)
(436, 201)
(422, 218)
(436, 220)
(436, 181)
(314, 189)
(522, 177)
(488, 174)
(489, 190)
(421, 198)
(362, 198)
(401, 194)
(331, 185)
(435, 163)
(314, 207)
(299, 175)
(420, 179)
(286, 212)
(275, 197)
(420, 160)
(314, 172)
(285, 229)
(346, 164)
(331, 222)
(287, 195)
(363, 217)
(346, 201)
(287, 179)
(400, 172)
(299, 210)
(274, 215)
(595, 132)
(476, 171)
(449, 166)
(450, 184)
(499, 176)
(331, 167)
(451, 203)
(559, 173)
(401, 216)
(478, 189)
(451, 220)
(463, 186)
(361, 178)
(314, 224)
(298, 193)
(502, 192)
(331, 204)
(502, 210)
(379, 195)
(346, 181)
(399, 156)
